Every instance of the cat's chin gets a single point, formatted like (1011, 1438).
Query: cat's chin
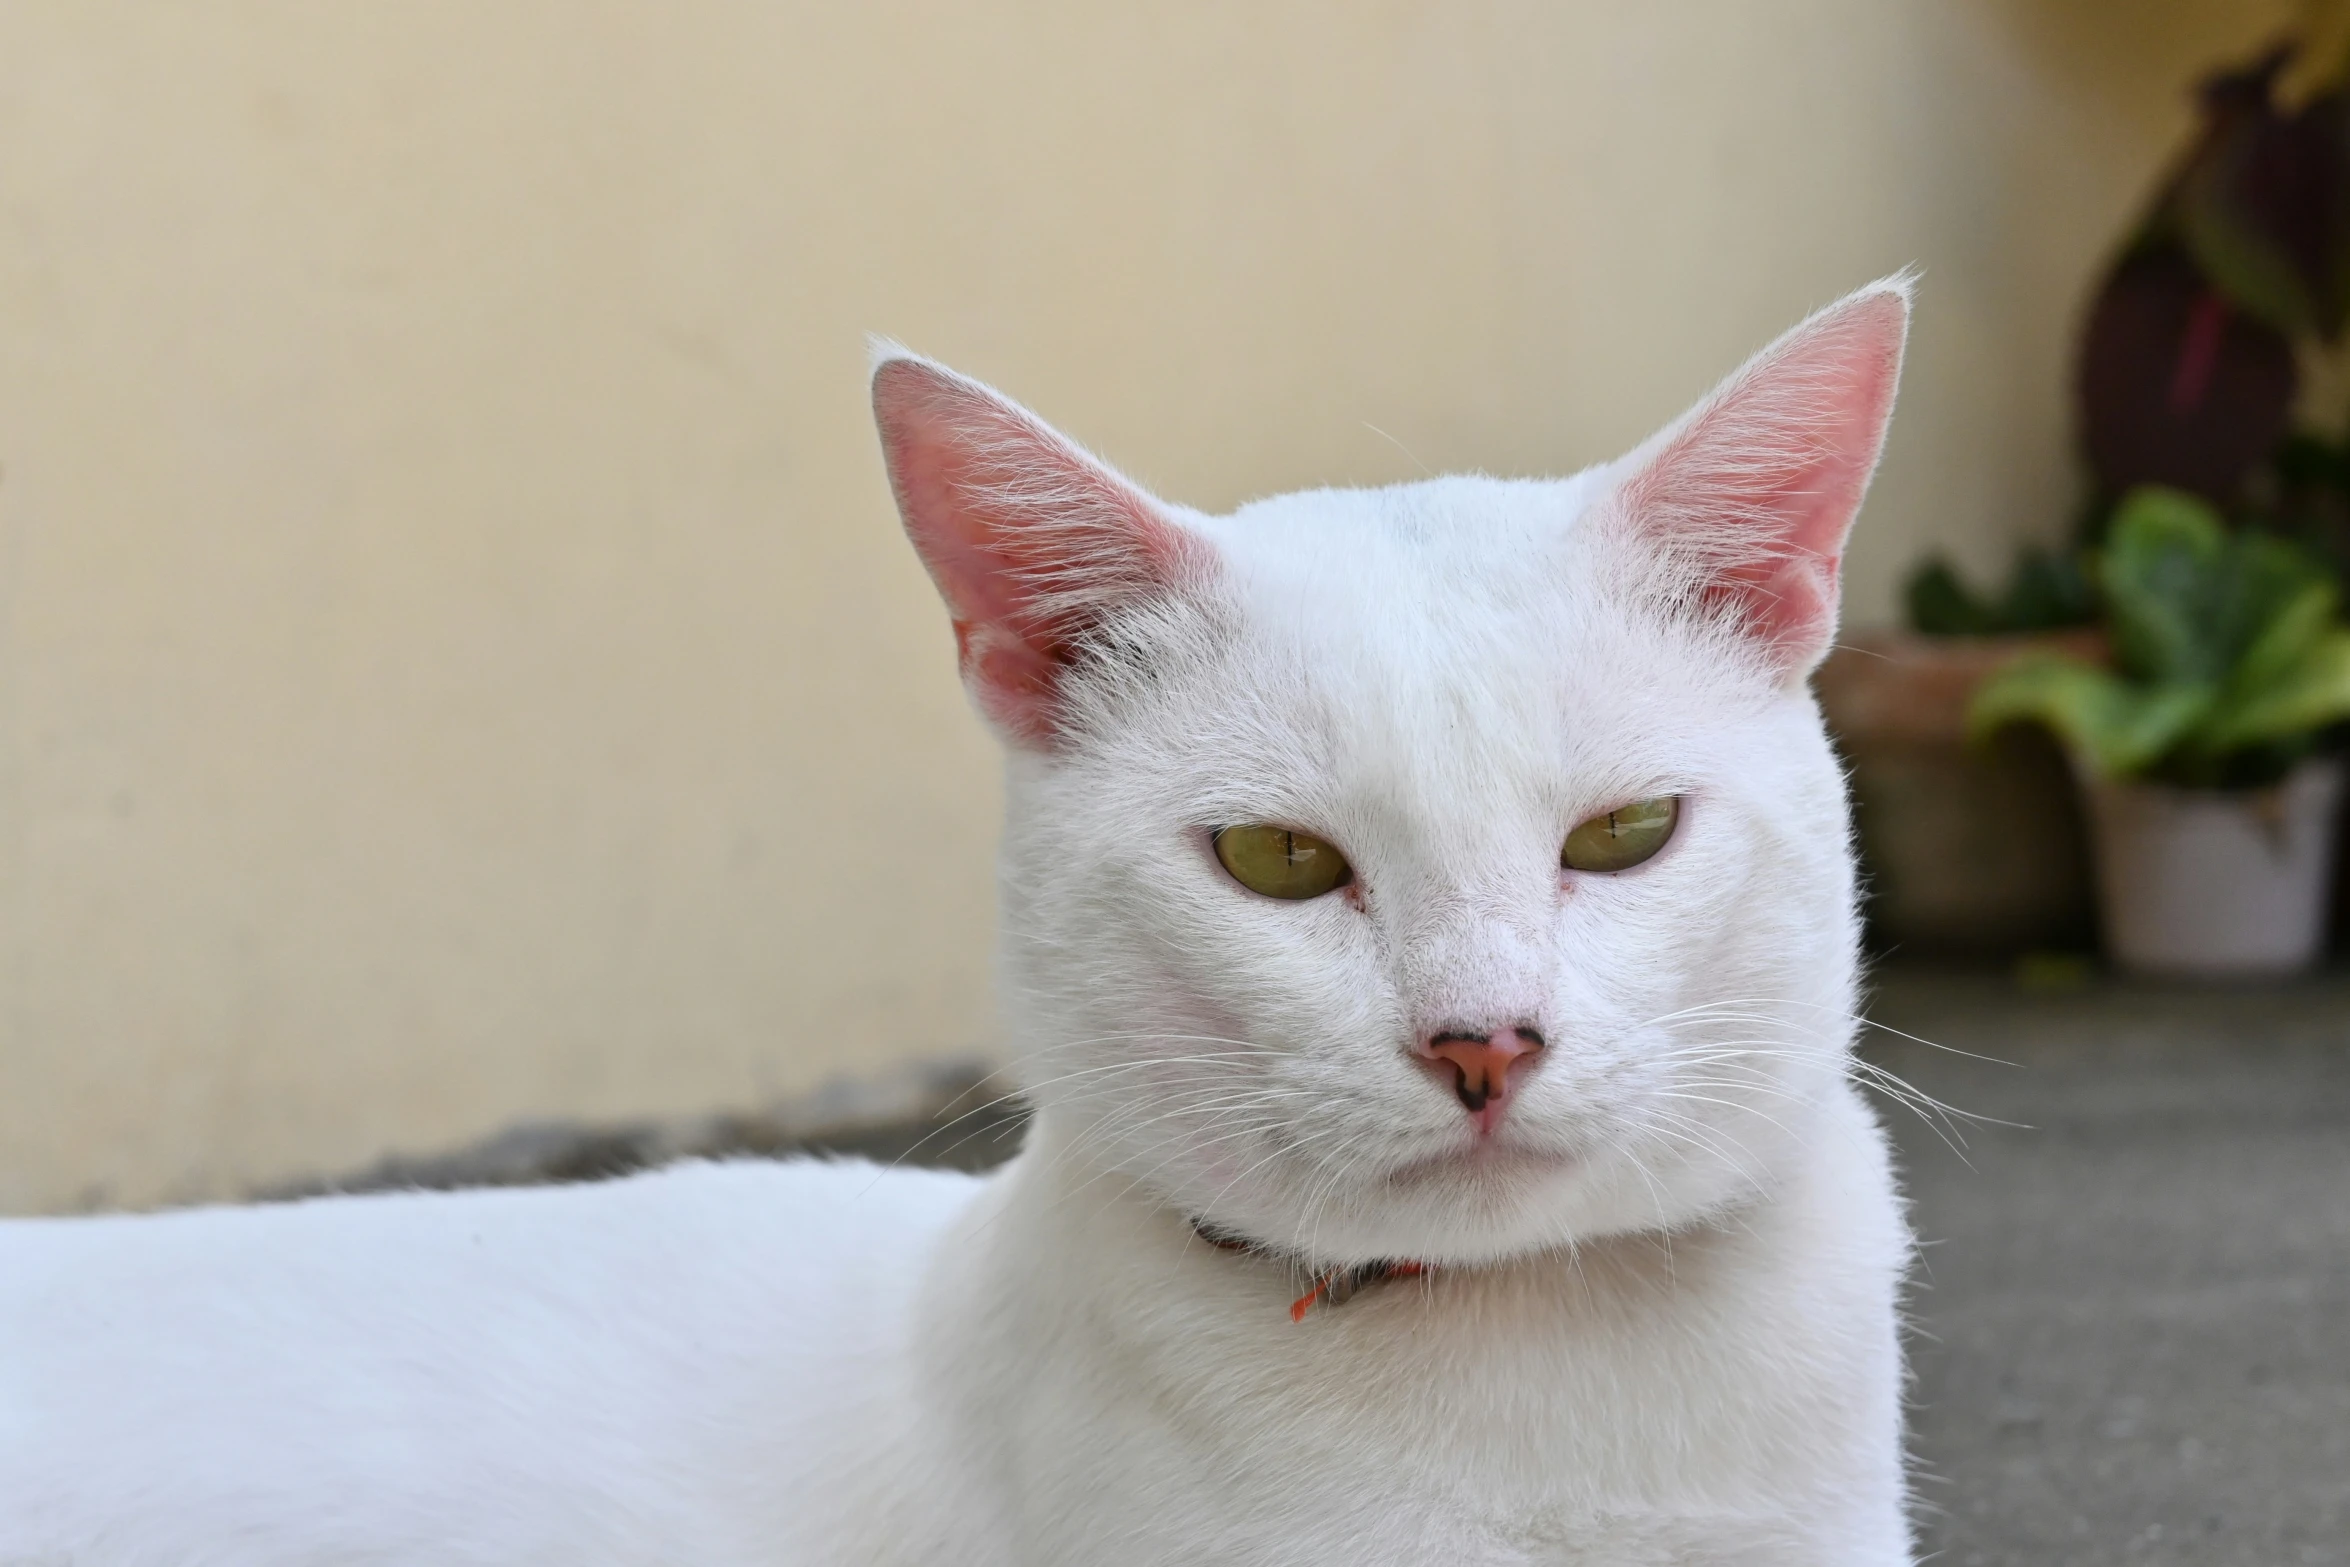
(1497, 1200)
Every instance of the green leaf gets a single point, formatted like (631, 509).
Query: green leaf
(2047, 591)
(2231, 654)
(2115, 726)
(1940, 605)
(2311, 693)
(2158, 570)
(2255, 594)
(2044, 591)
(2291, 626)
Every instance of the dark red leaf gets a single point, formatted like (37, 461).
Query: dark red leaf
(2262, 203)
(2177, 385)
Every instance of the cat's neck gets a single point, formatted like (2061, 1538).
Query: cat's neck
(1063, 1256)
(1530, 1380)
(1092, 1227)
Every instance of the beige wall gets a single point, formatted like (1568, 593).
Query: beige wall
(458, 661)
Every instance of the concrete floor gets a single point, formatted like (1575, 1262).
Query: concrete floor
(2133, 1319)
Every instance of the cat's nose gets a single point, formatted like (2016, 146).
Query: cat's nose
(1477, 1066)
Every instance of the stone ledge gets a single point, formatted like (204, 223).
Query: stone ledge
(944, 1113)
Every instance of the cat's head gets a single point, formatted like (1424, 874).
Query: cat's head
(1439, 871)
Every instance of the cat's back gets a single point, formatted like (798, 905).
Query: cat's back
(493, 1375)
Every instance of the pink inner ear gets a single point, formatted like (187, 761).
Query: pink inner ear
(1757, 488)
(1029, 539)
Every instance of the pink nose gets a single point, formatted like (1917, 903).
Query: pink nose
(1478, 1064)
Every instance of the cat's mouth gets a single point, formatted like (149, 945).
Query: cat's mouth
(1488, 1160)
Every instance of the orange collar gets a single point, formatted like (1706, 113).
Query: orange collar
(1332, 1287)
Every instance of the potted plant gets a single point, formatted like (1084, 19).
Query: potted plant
(2200, 742)
(2231, 285)
(1970, 849)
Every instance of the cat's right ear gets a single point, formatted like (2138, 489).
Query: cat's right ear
(1748, 498)
(1030, 539)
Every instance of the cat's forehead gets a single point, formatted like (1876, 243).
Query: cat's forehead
(1440, 543)
(1456, 584)
(1454, 639)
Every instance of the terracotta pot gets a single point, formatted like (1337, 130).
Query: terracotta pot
(1967, 849)
(2217, 884)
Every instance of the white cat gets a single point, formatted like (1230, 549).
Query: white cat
(1428, 906)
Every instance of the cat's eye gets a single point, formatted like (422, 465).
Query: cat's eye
(1623, 837)
(1281, 862)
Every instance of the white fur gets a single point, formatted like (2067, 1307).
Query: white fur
(1660, 1325)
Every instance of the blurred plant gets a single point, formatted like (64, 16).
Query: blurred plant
(2045, 592)
(2304, 494)
(2229, 656)
(2188, 372)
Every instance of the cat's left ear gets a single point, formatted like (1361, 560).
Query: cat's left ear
(1749, 496)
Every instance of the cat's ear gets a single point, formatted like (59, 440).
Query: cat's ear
(1749, 496)
(1031, 539)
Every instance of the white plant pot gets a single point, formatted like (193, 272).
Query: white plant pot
(2216, 884)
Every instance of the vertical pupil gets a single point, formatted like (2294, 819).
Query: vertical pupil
(1289, 847)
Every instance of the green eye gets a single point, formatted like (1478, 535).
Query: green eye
(1280, 862)
(1623, 837)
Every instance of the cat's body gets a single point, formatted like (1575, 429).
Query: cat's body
(750, 1364)
(1603, 1116)
(647, 1371)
